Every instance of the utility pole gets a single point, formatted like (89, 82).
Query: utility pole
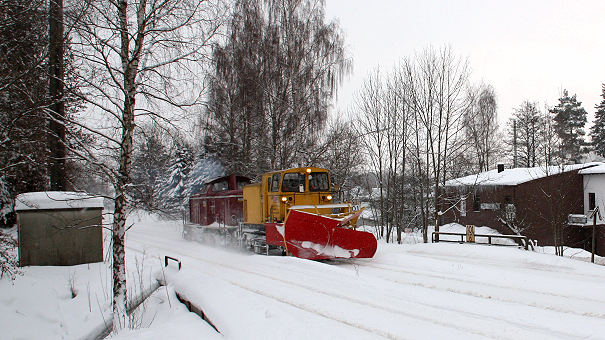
(595, 213)
(515, 144)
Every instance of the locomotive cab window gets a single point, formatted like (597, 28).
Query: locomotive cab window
(241, 183)
(221, 186)
(293, 182)
(274, 183)
(318, 181)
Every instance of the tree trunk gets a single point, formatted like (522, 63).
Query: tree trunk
(56, 122)
(129, 69)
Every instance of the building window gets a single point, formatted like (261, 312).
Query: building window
(592, 201)
(476, 203)
(511, 212)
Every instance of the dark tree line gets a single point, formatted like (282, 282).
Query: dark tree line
(29, 123)
(23, 84)
(550, 136)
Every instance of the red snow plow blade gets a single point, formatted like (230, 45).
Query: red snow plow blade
(317, 237)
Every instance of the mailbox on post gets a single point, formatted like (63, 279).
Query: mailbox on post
(470, 233)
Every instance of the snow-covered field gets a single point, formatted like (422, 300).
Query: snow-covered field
(410, 291)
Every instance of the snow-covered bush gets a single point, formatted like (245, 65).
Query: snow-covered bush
(8, 260)
(6, 205)
(187, 177)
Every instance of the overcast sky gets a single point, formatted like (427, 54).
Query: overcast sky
(526, 49)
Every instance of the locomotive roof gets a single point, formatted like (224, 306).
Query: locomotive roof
(302, 169)
(216, 179)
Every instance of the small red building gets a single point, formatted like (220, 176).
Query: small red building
(222, 203)
(534, 202)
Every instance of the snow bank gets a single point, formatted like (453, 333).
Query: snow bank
(327, 250)
(56, 200)
(419, 291)
(164, 317)
(69, 302)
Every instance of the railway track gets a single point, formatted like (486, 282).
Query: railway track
(428, 310)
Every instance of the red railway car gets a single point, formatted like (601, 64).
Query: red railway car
(221, 204)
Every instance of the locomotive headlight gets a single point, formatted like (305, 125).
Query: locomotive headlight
(284, 198)
(329, 197)
(308, 170)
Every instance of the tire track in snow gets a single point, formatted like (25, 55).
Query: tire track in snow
(393, 268)
(598, 279)
(430, 319)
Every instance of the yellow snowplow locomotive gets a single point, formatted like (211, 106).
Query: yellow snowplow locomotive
(293, 209)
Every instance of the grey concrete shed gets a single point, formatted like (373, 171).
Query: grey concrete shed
(58, 228)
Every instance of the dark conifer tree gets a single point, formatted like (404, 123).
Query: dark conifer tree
(23, 85)
(173, 190)
(597, 131)
(570, 119)
(149, 167)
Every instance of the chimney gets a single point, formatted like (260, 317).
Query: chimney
(500, 167)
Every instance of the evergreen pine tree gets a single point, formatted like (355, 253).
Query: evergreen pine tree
(570, 118)
(597, 131)
(150, 160)
(173, 190)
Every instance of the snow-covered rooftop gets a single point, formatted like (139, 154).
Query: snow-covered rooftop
(56, 200)
(518, 175)
(599, 169)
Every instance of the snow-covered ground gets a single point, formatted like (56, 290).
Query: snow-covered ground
(410, 291)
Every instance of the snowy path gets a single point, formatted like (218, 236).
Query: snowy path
(421, 291)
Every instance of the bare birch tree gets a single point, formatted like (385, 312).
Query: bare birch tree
(481, 125)
(277, 72)
(372, 128)
(137, 59)
(437, 82)
(340, 151)
(411, 124)
(383, 124)
(528, 129)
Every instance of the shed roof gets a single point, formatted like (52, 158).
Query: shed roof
(45, 200)
(510, 177)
